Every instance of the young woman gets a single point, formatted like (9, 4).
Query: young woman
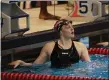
(63, 52)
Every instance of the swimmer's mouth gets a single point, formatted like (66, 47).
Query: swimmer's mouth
(72, 32)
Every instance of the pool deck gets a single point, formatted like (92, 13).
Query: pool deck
(37, 24)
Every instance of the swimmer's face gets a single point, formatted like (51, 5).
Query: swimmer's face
(67, 31)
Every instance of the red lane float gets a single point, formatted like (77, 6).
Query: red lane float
(98, 51)
(25, 76)
(20, 76)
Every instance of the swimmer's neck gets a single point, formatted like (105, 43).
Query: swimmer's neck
(65, 41)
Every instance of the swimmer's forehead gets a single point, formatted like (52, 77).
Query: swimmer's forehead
(63, 21)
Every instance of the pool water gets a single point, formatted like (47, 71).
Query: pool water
(97, 68)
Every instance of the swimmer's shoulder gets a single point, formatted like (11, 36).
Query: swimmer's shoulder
(50, 44)
(80, 47)
(49, 47)
(79, 44)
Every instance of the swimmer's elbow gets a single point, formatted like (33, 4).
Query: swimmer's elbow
(86, 60)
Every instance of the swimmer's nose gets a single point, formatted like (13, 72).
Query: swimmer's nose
(72, 30)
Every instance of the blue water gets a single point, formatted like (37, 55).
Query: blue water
(97, 68)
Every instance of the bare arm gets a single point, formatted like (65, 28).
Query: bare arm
(19, 62)
(103, 43)
(84, 53)
(43, 57)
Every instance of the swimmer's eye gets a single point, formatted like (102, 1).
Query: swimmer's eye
(68, 27)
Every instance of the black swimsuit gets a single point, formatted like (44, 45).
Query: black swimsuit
(64, 57)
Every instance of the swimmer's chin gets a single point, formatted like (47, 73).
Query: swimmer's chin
(73, 37)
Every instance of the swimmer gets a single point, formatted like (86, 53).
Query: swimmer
(63, 52)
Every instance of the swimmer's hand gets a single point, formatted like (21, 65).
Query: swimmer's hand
(17, 63)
